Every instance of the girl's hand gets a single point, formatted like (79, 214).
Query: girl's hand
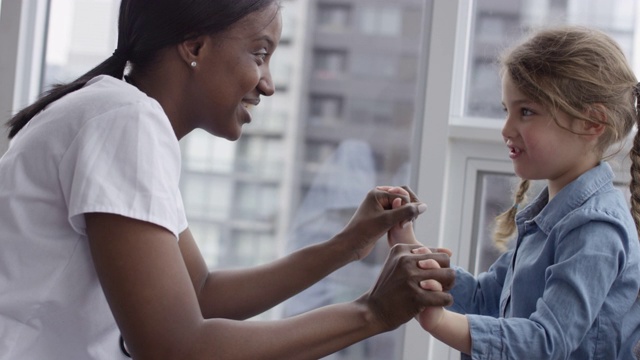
(401, 233)
(430, 317)
(375, 216)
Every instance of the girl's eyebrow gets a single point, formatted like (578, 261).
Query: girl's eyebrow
(520, 102)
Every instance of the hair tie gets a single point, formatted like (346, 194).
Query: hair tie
(636, 97)
(121, 54)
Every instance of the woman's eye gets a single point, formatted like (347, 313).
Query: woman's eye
(262, 55)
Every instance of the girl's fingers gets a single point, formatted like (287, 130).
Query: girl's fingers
(431, 285)
(422, 250)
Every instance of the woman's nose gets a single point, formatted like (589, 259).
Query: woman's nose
(265, 85)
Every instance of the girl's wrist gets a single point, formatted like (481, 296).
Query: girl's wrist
(438, 321)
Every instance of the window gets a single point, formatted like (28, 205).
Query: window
(329, 64)
(375, 65)
(498, 24)
(78, 40)
(381, 21)
(261, 156)
(326, 109)
(333, 17)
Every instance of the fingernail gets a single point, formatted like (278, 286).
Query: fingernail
(422, 208)
(404, 226)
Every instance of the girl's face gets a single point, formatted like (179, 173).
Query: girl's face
(538, 147)
(234, 72)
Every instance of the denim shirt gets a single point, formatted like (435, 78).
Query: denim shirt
(565, 289)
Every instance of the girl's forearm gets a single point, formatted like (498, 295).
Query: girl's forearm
(453, 330)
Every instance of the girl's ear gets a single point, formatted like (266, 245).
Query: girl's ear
(189, 50)
(595, 127)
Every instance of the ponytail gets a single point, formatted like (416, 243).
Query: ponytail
(634, 154)
(505, 223)
(113, 66)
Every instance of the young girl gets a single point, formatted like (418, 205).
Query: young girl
(97, 260)
(566, 288)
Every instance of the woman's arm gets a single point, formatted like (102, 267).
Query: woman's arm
(151, 294)
(295, 272)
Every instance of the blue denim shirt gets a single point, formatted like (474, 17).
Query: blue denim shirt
(565, 289)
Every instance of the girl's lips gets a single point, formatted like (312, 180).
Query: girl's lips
(514, 152)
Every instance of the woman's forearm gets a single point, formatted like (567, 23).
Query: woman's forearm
(259, 288)
(309, 336)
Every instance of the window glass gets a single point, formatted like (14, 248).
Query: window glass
(495, 194)
(333, 17)
(497, 24)
(329, 63)
(78, 39)
(381, 20)
(334, 129)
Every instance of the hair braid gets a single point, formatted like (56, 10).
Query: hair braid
(505, 225)
(634, 154)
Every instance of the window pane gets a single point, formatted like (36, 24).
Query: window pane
(334, 129)
(495, 196)
(333, 17)
(497, 24)
(81, 34)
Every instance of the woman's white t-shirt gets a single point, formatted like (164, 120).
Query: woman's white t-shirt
(104, 148)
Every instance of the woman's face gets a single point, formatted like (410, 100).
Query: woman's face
(234, 72)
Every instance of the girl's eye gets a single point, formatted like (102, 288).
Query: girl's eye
(526, 112)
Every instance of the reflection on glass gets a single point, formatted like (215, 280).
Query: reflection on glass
(495, 192)
(347, 127)
(498, 24)
(333, 17)
(81, 34)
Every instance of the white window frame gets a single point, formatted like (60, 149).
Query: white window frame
(22, 39)
(451, 150)
(454, 150)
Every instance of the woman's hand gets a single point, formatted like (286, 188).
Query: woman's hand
(404, 289)
(375, 216)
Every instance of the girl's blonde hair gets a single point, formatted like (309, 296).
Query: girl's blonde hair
(581, 72)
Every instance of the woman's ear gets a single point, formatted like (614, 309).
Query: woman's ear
(189, 50)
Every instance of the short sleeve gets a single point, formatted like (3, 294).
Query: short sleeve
(125, 162)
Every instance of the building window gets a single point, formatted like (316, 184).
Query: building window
(326, 109)
(207, 196)
(329, 64)
(381, 21)
(260, 155)
(499, 24)
(334, 17)
(374, 65)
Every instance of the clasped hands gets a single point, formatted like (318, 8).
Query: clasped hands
(414, 280)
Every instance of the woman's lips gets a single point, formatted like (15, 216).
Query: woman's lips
(250, 103)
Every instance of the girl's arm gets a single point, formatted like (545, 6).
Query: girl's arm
(150, 289)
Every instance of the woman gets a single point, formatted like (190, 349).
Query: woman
(95, 241)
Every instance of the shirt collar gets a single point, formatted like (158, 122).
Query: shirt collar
(546, 214)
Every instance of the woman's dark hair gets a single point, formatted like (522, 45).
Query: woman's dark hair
(144, 28)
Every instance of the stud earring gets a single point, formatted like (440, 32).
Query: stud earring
(193, 64)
